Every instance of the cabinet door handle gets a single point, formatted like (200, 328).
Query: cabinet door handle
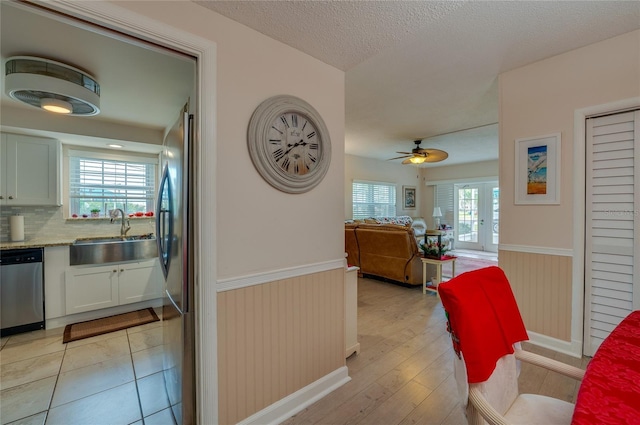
(1, 197)
(115, 270)
(121, 270)
(10, 197)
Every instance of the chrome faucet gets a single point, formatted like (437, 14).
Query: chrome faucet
(123, 229)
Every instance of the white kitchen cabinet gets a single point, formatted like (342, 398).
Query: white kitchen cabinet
(91, 288)
(140, 282)
(30, 170)
(56, 263)
(94, 287)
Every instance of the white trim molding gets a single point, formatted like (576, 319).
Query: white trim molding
(573, 348)
(578, 316)
(562, 252)
(110, 15)
(296, 402)
(271, 276)
(463, 181)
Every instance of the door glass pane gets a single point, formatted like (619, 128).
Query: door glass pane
(495, 215)
(468, 214)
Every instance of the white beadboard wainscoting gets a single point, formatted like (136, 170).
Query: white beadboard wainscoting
(281, 344)
(542, 282)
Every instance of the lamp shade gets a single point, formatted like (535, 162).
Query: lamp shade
(437, 212)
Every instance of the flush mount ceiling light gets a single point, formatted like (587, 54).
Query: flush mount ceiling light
(52, 86)
(56, 105)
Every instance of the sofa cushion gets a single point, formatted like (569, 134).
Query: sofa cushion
(389, 251)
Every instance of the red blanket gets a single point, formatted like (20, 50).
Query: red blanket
(610, 391)
(483, 318)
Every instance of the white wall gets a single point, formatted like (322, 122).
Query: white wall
(471, 172)
(535, 100)
(541, 99)
(359, 168)
(258, 227)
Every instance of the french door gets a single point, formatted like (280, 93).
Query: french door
(477, 216)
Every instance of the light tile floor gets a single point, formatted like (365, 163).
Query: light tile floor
(110, 379)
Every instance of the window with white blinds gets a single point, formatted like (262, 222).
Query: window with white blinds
(612, 197)
(104, 182)
(445, 200)
(373, 199)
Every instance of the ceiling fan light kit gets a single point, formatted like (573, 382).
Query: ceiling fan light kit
(52, 86)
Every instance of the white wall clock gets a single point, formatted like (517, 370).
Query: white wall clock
(289, 144)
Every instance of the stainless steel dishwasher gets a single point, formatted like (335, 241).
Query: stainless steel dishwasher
(21, 290)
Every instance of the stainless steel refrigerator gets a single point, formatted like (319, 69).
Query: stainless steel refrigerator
(173, 229)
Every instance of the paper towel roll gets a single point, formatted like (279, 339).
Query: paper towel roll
(16, 223)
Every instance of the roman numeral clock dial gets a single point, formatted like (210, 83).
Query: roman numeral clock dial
(289, 144)
(293, 144)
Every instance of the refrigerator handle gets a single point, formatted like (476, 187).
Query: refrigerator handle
(164, 235)
(186, 202)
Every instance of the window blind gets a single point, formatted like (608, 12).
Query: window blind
(102, 184)
(373, 199)
(445, 200)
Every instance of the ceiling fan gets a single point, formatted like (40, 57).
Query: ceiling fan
(419, 155)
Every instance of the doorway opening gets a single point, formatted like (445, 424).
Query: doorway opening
(477, 216)
(113, 48)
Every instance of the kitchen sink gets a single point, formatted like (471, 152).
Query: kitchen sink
(112, 250)
(113, 239)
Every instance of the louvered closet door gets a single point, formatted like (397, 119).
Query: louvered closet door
(612, 224)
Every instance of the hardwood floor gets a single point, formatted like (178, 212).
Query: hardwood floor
(404, 372)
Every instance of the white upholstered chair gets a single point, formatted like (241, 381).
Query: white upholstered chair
(486, 328)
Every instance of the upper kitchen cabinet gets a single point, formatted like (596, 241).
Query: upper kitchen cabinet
(30, 170)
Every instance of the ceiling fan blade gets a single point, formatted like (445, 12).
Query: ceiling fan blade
(435, 155)
(398, 157)
(406, 153)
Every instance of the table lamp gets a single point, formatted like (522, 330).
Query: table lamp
(436, 215)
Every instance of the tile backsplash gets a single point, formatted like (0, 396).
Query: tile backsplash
(48, 222)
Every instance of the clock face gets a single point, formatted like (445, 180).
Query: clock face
(294, 144)
(289, 144)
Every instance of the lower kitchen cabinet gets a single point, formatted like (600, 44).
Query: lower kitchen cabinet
(139, 282)
(94, 287)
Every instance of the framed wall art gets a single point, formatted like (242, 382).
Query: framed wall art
(538, 170)
(409, 197)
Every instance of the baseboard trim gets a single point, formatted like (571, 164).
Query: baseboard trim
(573, 348)
(271, 276)
(296, 402)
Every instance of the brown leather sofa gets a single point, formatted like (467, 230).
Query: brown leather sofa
(387, 251)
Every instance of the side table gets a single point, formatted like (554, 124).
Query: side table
(438, 264)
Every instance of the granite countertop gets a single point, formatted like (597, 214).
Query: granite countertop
(37, 242)
(41, 242)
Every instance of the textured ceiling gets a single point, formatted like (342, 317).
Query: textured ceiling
(418, 69)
